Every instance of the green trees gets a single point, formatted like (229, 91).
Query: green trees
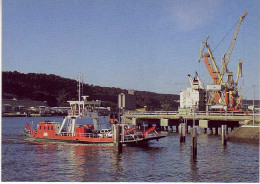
(57, 91)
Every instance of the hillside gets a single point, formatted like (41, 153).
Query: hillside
(57, 90)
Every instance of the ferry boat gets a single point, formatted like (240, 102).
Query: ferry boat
(70, 130)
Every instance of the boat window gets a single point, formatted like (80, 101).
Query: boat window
(52, 128)
(48, 128)
(40, 127)
(44, 128)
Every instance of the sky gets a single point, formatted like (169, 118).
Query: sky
(146, 45)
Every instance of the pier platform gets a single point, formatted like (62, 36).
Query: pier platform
(164, 119)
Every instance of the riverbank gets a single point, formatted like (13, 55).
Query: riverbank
(245, 133)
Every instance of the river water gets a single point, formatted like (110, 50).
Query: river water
(167, 160)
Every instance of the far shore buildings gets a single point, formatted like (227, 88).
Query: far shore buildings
(30, 107)
(14, 107)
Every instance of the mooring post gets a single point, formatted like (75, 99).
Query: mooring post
(118, 137)
(182, 132)
(224, 135)
(193, 142)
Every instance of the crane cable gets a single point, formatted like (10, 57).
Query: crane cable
(225, 36)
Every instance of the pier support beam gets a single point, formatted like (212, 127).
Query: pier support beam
(166, 128)
(193, 142)
(216, 130)
(164, 123)
(177, 128)
(171, 129)
(224, 135)
(210, 131)
(205, 130)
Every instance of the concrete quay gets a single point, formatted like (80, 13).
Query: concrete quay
(212, 120)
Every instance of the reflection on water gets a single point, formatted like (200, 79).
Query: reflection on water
(167, 160)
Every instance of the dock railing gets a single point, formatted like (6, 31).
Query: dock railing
(200, 113)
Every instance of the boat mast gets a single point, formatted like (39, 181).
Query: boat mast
(80, 82)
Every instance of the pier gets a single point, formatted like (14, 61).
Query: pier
(211, 121)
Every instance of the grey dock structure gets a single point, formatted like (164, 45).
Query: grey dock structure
(207, 120)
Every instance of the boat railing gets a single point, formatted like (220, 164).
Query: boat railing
(73, 112)
(81, 113)
(129, 137)
(88, 135)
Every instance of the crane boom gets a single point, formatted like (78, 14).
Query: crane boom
(232, 44)
(215, 74)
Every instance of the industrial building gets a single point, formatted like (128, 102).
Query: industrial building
(195, 96)
(127, 101)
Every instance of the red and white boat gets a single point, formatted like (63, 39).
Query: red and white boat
(69, 130)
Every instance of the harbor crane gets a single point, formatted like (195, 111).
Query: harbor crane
(214, 72)
(230, 87)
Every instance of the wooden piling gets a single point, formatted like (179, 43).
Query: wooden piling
(118, 138)
(182, 132)
(193, 142)
(224, 135)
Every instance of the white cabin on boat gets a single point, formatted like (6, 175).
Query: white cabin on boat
(86, 109)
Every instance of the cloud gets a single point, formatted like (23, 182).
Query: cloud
(190, 15)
